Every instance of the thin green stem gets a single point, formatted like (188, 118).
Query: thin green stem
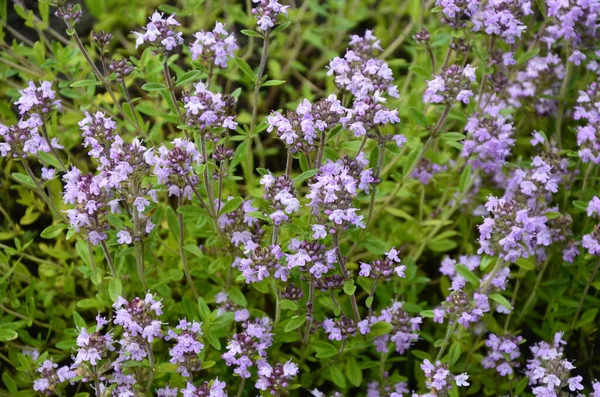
(342, 263)
(257, 85)
(449, 332)
(584, 294)
(182, 254)
(109, 260)
(277, 303)
(42, 193)
(538, 280)
(241, 387)
(562, 98)
(169, 82)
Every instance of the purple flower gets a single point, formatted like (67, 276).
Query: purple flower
(275, 379)
(214, 389)
(438, 378)
(248, 344)
(266, 12)
(209, 111)
(37, 100)
(361, 72)
(453, 84)
(187, 347)
(161, 33)
(214, 47)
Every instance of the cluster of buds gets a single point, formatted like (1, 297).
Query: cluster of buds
(121, 68)
(452, 84)
(280, 194)
(312, 257)
(383, 269)
(266, 12)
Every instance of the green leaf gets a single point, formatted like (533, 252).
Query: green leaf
(453, 136)
(295, 322)
(194, 249)
(53, 231)
(337, 376)
(150, 87)
(305, 175)
(203, 310)
(527, 56)
(501, 300)
(115, 289)
(467, 274)
(7, 335)
(237, 297)
(231, 205)
(465, 179)
(427, 313)
(24, 179)
(353, 372)
(246, 69)
(419, 116)
(288, 304)
(587, 317)
(369, 301)
(380, 328)
(525, 264)
(251, 33)
(84, 83)
(454, 353)
(173, 223)
(78, 320)
(10, 384)
(269, 83)
(349, 287)
(189, 76)
(420, 70)
(213, 340)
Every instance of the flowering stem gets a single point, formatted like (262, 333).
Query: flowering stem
(137, 242)
(99, 75)
(562, 98)
(241, 387)
(585, 291)
(169, 82)
(151, 362)
(207, 179)
(449, 332)
(128, 98)
(109, 260)
(485, 76)
(408, 172)
(538, 280)
(342, 264)
(488, 282)
(431, 57)
(257, 85)
(42, 193)
(382, 365)
(309, 312)
(277, 305)
(186, 268)
(319, 157)
(381, 158)
(288, 164)
(52, 149)
(96, 381)
(447, 58)
(371, 295)
(512, 303)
